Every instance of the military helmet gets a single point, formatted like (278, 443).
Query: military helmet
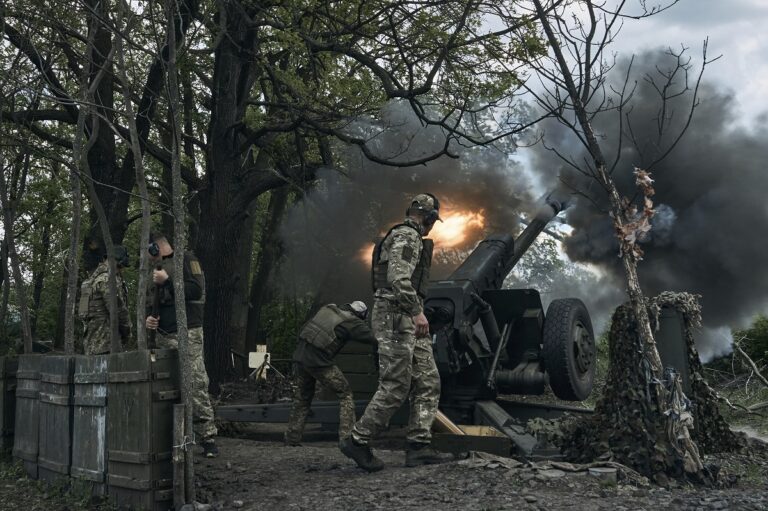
(428, 205)
(359, 308)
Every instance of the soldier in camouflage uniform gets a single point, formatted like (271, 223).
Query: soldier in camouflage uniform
(319, 341)
(161, 253)
(94, 311)
(401, 262)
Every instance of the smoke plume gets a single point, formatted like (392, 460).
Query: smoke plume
(329, 233)
(708, 234)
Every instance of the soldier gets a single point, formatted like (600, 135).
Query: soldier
(161, 253)
(93, 308)
(319, 341)
(401, 262)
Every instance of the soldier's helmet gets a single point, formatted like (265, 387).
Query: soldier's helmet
(428, 205)
(359, 308)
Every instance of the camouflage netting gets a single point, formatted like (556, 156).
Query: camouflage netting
(711, 432)
(627, 425)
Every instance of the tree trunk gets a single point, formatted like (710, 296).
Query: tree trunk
(178, 254)
(270, 253)
(225, 201)
(38, 278)
(9, 212)
(138, 163)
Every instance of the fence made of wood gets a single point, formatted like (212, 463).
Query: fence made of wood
(8, 368)
(89, 426)
(143, 386)
(26, 430)
(55, 425)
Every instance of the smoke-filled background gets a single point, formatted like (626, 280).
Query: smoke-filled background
(329, 233)
(709, 233)
(709, 230)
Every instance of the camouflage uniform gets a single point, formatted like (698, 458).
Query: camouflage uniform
(93, 310)
(406, 362)
(202, 420)
(194, 295)
(319, 342)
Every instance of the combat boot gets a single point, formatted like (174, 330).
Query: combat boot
(361, 454)
(209, 449)
(424, 454)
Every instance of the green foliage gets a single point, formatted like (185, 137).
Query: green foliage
(755, 340)
(282, 319)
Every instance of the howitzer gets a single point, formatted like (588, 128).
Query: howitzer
(489, 340)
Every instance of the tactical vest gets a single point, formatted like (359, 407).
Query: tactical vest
(420, 275)
(87, 304)
(320, 330)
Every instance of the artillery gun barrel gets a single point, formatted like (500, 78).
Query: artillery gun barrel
(536, 226)
(495, 257)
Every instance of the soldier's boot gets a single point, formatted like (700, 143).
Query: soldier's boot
(209, 449)
(424, 454)
(361, 454)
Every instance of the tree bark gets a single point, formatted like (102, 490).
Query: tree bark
(141, 182)
(9, 211)
(178, 253)
(270, 253)
(38, 279)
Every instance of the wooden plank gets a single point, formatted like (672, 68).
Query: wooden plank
(446, 442)
(8, 368)
(26, 429)
(89, 439)
(55, 434)
(443, 424)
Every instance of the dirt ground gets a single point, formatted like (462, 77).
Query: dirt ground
(257, 472)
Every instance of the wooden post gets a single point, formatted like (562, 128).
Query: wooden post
(179, 456)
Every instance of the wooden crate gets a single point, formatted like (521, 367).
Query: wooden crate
(55, 426)
(89, 432)
(143, 386)
(8, 368)
(26, 429)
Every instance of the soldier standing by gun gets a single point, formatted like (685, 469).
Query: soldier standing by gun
(93, 307)
(401, 262)
(164, 322)
(319, 341)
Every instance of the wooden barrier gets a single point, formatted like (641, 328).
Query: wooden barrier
(25, 445)
(89, 426)
(56, 389)
(8, 368)
(142, 388)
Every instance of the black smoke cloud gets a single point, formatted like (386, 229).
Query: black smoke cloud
(327, 232)
(709, 233)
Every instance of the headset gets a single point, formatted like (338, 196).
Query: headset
(153, 248)
(431, 216)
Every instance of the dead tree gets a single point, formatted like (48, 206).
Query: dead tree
(575, 91)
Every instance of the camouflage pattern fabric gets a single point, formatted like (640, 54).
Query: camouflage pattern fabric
(402, 249)
(406, 370)
(202, 413)
(332, 379)
(94, 311)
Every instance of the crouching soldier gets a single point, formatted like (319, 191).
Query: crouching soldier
(319, 341)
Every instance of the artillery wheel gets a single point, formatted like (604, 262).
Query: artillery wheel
(569, 349)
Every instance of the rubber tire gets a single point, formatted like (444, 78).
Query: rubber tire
(565, 378)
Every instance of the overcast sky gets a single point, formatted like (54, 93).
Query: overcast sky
(737, 29)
